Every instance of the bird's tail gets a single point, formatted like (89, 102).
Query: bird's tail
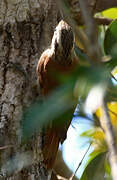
(50, 146)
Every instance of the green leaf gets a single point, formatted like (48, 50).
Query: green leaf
(89, 133)
(110, 45)
(60, 105)
(111, 64)
(108, 170)
(110, 13)
(88, 77)
(57, 107)
(95, 168)
(110, 41)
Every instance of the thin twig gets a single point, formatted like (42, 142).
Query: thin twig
(101, 5)
(57, 176)
(110, 139)
(80, 163)
(5, 147)
(61, 178)
(113, 77)
(112, 112)
(92, 32)
(103, 21)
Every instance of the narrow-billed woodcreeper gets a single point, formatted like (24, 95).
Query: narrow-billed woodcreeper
(56, 61)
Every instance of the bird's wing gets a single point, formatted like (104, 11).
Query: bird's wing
(43, 72)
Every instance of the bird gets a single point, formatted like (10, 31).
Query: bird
(56, 61)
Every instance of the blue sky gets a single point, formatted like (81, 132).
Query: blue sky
(75, 146)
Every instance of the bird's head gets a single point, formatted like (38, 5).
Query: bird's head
(62, 41)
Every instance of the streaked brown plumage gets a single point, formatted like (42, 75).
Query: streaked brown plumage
(56, 61)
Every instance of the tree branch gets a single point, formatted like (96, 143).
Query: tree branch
(94, 6)
(80, 163)
(104, 4)
(110, 139)
(92, 32)
(103, 21)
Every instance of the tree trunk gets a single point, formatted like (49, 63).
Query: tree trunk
(26, 29)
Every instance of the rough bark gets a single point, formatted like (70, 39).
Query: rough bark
(26, 28)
